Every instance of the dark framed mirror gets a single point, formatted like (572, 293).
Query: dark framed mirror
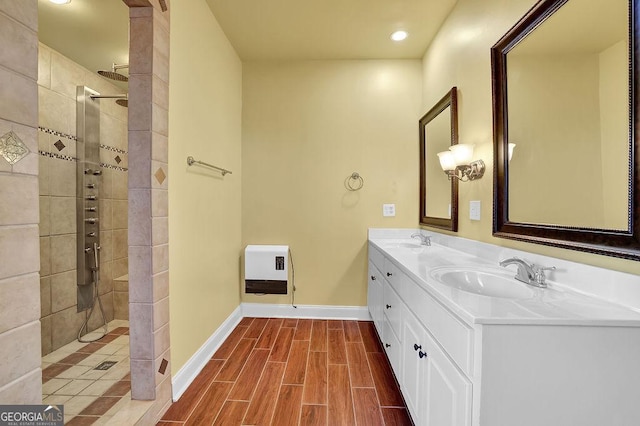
(438, 194)
(564, 93)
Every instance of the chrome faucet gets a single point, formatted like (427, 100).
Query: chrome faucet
(425, 240)
(528, 273)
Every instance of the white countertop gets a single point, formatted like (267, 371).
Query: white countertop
(555, 305)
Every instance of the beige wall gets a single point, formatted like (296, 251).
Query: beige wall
(306, 127)
(204, 225)
(460, 55)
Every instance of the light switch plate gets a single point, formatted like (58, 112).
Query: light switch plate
(474, 210)
(388, 210)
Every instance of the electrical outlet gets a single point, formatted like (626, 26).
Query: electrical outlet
(388, 210)
(474, 210)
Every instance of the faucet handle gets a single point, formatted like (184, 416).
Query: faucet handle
(540, 277)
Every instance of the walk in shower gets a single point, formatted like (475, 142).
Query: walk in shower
(83, 200)
(84, 237)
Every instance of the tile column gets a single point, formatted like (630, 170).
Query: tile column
(20, 373)
(148, 202)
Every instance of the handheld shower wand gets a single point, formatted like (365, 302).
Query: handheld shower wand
(95, 268)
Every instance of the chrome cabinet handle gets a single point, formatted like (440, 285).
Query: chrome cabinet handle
(388, 306)
(416, 346)
(386, 345)
(373, 278)
(422, 354)
(389, 274)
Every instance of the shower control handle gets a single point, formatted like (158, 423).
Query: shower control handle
(96, 260)
(91, 197)
(91, 185)
(91, 220)
(97, 172)
(90, 209)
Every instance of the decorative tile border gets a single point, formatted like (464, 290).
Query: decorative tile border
(56, 155)
(69, 158)
(114, 149)
(75, 138)
(112, 167)
(57, 133)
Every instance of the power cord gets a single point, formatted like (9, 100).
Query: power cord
(293, 281)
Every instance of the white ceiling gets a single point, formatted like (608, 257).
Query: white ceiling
(329, 29)
(94, 33)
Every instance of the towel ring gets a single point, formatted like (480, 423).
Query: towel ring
(354, 182)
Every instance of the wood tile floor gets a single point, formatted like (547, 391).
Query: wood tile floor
(294, 372)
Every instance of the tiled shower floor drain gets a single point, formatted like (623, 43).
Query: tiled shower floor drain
(106, 365)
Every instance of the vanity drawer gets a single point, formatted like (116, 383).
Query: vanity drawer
(392, 308)
(376, 257)
(453, 335)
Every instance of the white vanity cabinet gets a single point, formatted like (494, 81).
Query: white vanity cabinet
(490, 371)
(435, 391)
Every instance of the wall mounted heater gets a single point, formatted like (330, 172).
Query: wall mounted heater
(266, 269)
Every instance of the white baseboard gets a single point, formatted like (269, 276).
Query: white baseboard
(305, 311)
(183, 378)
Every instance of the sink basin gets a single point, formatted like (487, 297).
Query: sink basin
(484, 282)
(402, 244)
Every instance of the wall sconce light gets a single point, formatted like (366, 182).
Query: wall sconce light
(456, 163)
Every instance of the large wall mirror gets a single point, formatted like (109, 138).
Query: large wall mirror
(565, 108)
(438, 194)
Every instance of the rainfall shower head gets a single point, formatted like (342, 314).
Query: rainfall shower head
(114, 74)
(123, 102)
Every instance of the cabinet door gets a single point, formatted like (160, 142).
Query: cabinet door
(391, 346)
(412, 365)
(393, 307)
(445, 390)
(436, 392)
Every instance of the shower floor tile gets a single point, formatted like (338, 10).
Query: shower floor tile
(69, 376)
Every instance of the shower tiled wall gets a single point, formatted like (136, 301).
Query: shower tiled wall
(58, 78)
(20, 374)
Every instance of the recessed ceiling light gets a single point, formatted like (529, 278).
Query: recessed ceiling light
(60, 1)
(399, 35)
